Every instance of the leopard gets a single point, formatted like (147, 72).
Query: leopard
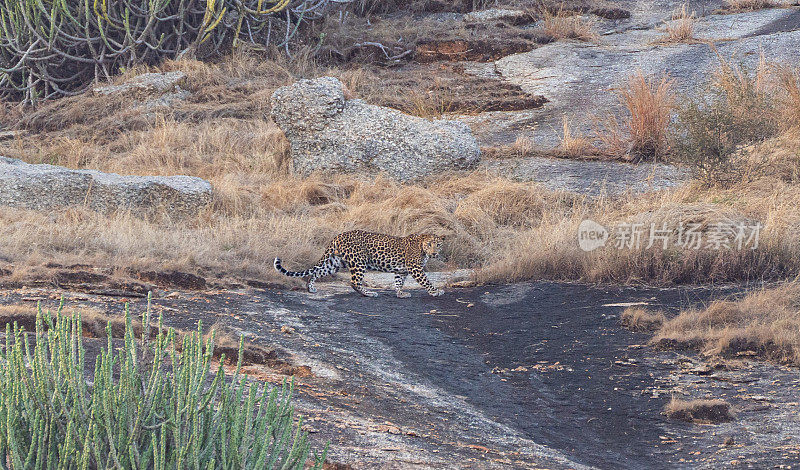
(360, 251)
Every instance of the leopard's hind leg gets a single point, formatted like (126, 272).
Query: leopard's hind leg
(327, 266)
(357, 280)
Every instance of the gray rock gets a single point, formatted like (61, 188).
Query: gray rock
(329, 133)
(147, 82)
(592, 178)
(46, 187)
(493, 15)
(579, 79)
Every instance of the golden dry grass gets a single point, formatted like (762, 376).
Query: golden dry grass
(523, 146)
(765, 323)
(641, 319)
(642, 135)
(507, 230)
(699, 411)
(748, 5)
(681, 28)
(567, 25)
(789, 97)
(572, 146)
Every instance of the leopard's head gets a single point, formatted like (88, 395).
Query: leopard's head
(431, 245)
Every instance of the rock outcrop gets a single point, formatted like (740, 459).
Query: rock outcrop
(499, 15)
(46, 187)
(147, 82)
(152, 90)
(580, 79)
(330, 133)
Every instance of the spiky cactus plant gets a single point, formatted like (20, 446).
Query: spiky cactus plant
(146, 406)
(52, 48)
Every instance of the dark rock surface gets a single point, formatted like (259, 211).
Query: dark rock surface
(529, 375)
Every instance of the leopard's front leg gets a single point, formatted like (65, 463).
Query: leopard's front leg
(422, 279)
(399, 281)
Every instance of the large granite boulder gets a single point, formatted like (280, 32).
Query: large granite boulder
(330, 133)
(46, 187)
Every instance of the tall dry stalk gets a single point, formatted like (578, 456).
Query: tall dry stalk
(681, 28)
(572, 146)
(789, 79)
(649, 103)
(566, 25)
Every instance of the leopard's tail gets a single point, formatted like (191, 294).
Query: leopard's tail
(286, 272)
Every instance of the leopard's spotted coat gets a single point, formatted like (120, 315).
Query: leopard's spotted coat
(361, 251)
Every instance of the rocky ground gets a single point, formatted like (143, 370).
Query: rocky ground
(530, 375)
(583, 75)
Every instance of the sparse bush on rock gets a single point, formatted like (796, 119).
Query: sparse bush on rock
(699, 411)
(740, 109)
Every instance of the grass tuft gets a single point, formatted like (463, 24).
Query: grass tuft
(572, 146)
(765, 323)
(699, 411)
(681, 28)
(738, 6)
(648, 104)
(567, 25)
(641, 319)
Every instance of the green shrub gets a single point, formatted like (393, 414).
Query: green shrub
(146, 406)
(709, 132)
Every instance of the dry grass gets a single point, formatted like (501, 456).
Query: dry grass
(512, 231)
(777, 158)
(641, 319)
(743, 88)
(523, 146)
(567, 25)
(648, 103)
(765, 323)
(681, 28)
(748, 5)
(699, 411)
(506, 229)
(789, 98)
(572, 146)
(746, 106)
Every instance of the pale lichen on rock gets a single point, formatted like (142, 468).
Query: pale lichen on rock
(45, 187)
